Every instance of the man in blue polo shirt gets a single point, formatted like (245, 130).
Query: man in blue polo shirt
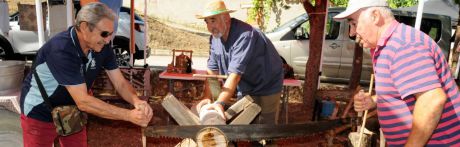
(67, 66)
(249, 59)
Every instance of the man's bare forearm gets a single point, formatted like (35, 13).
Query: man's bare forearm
(427, 113)
(122, 86)
(229, 87)
(127, 92)
(99, 108)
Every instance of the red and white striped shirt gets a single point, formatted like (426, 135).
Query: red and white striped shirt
(407, 61)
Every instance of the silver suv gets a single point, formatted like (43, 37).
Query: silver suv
(19, 43)
(292, 43)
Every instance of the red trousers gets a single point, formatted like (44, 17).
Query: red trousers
(37, 133)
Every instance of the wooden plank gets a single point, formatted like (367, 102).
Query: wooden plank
(239, 106)
(179, 111)
(187, 142)
(247, 115)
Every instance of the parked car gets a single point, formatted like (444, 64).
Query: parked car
(292, 43)
(20, 43)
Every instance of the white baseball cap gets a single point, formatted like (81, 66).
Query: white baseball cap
(355, 5)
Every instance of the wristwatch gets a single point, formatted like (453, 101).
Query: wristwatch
(221, 103)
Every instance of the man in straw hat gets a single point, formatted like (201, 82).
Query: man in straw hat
(249, 59)
(417, 100)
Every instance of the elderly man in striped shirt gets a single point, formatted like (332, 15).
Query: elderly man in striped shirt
(416, 97)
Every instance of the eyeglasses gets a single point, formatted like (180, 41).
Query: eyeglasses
(104, 34)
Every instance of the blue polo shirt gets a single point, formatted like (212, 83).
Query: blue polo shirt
(61, 62)
(249, 53)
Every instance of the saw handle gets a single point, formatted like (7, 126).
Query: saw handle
(361, 132)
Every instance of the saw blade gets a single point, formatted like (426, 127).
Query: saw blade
(254, 132)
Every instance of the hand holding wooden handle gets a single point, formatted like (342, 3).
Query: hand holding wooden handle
(365, 113)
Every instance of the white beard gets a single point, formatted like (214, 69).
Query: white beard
(218, 35)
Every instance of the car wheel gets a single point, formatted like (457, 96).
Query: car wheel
(6, 52)
(121, 50)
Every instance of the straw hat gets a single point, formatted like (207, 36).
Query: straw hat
(214, 7)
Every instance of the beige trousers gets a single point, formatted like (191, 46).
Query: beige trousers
(270, 106)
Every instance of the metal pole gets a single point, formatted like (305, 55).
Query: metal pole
(132, 45)
(146, 25)
(40, 29)
(418, 19)
(4, 19)
(69, 8)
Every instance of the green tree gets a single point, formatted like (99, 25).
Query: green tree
(317, 17)
(401, 3)
(261, 10)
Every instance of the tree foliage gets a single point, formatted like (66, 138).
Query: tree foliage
(261, 10)
(401, 3)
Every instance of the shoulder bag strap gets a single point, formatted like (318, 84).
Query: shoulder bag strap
(40, 87)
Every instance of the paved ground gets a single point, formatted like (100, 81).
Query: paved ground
(10, 129)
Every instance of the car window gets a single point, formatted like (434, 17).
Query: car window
(128, 10)
(291, 23)
(306, 28)
(431, 27)
(14, 16)
(332, 27)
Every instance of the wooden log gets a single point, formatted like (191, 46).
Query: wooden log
(179, 111)
(211, 117)
(187, 142)
(239, 106)
(211, 137)
(247, 115)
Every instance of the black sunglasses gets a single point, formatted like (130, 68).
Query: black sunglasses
(105, 34)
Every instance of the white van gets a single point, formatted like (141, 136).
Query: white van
(292, 43)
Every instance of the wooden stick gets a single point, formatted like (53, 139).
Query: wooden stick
(144, 138)
(210, 76)
(382, 138)
(365, 113)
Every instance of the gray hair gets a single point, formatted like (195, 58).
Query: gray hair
(92, 13)
(385, 11)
